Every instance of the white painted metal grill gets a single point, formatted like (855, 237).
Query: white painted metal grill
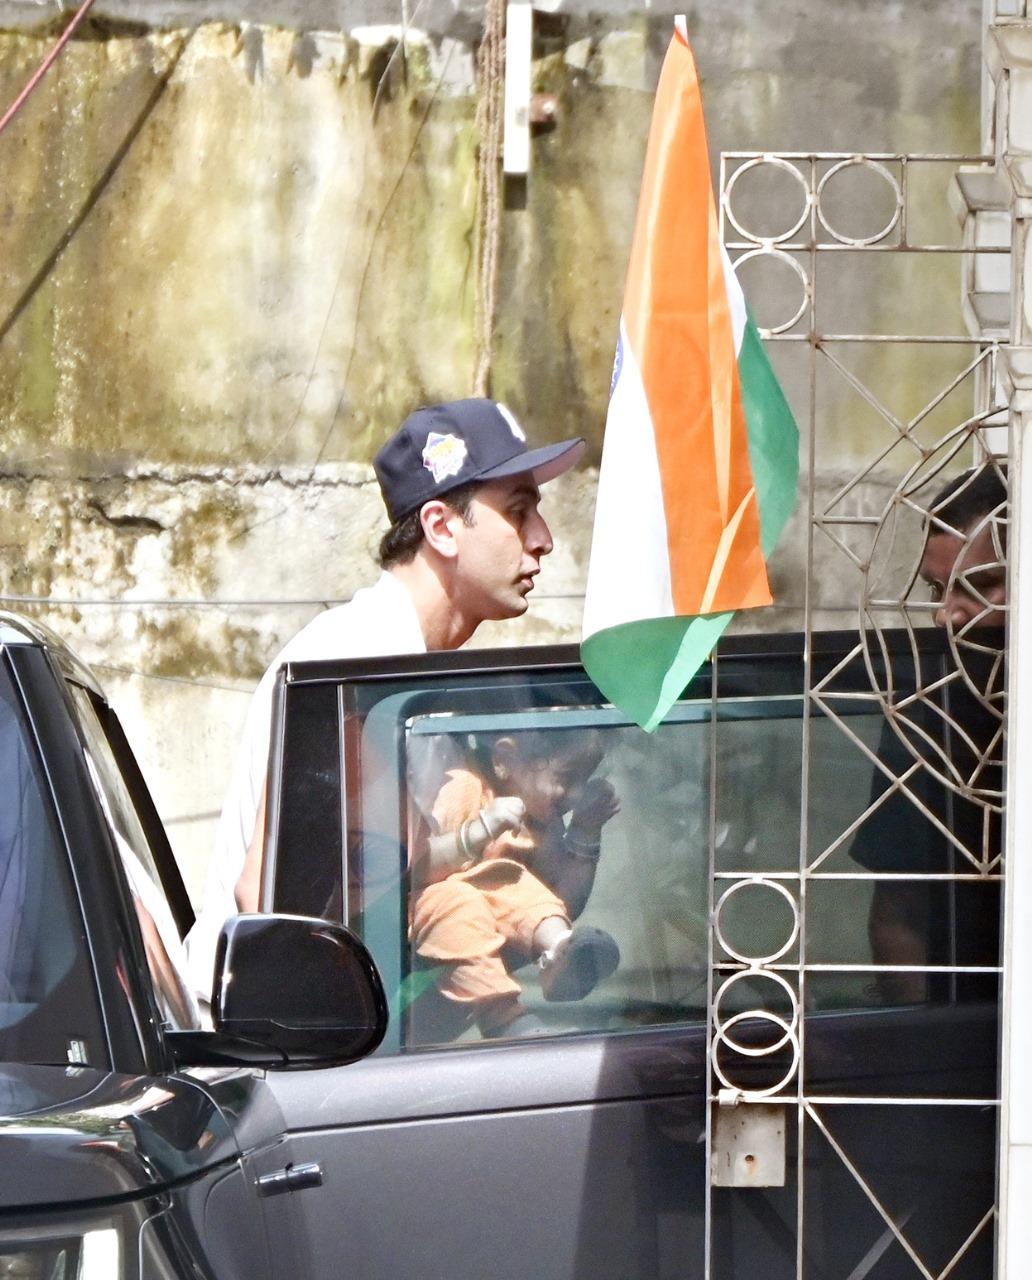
(821, 232)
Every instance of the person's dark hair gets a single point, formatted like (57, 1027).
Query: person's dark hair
(969, 497)
(582, 747)
(402, 540)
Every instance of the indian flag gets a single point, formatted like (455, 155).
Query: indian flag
(700, 457)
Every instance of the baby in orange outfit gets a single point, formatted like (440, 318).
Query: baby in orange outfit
(506, 869)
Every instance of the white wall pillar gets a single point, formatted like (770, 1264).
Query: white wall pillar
(1008, 49)
(1015, 1232)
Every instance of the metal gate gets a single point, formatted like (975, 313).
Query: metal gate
(868, 283)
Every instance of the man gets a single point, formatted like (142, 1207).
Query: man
(923, 922)
(963, 561)
(465, 543)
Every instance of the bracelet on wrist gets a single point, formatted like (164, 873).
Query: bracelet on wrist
(465, 847)
(491, 833)
(581, 846)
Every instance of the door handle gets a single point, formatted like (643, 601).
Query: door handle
(295, 1177)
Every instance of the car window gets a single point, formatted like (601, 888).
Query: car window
(162, 943)
(599, 827)
(48, 1002)
(440, 815)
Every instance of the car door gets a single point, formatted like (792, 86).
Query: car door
(585, 1149)
(575, 1153)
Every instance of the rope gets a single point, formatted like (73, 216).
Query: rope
(491, 75)
(45, 65)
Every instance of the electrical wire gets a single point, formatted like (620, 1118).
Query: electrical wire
(192, 681)
(72, 602)
(45, 65)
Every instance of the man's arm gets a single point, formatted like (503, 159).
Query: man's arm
(248, 886)
(898, 928)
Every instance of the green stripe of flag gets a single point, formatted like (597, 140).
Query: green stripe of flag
(773, 438)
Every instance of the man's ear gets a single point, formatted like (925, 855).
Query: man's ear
(438, 521)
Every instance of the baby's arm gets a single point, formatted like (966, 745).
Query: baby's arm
(464, 845)
(569, 867)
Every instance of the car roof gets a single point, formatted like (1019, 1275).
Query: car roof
(18, 630)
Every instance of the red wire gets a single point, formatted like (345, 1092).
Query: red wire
(45, 65)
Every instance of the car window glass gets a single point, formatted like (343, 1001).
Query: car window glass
(628, 814)
(48, 1002)
(164, 949)
(730, 781)
(527, 774)
(599, 827)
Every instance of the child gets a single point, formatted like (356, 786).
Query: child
(504, 870)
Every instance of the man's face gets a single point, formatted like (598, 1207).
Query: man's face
(500, 551)
(967, 579)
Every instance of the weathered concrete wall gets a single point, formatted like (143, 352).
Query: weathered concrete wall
(219, 248)
(235, 255)
(238, 216)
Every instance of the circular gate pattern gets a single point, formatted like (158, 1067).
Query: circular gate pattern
(728, 1044)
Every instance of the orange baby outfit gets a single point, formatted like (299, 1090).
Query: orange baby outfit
(465, 919)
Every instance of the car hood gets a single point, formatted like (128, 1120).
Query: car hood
(75, 1134)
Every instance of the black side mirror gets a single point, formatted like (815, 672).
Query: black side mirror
(290, 991)
(305, 988)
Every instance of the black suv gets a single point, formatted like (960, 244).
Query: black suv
(340, 1120)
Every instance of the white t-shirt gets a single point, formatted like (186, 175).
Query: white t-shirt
(379, 621)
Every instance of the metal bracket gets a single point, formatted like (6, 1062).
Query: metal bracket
(748, 1145)
(519, 38)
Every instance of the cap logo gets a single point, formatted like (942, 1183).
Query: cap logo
(443, 455)
(513, 425)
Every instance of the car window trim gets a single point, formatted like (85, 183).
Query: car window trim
(157, 840)
(791, 653)
(131, 1017)
(273, 795)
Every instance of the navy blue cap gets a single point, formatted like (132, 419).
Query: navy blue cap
(442, 446)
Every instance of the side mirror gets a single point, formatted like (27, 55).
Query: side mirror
(290, 991)
(307, 988)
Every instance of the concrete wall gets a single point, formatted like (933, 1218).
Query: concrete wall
(238, 246)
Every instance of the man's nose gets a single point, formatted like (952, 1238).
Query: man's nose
(539, 536)
(956, 610)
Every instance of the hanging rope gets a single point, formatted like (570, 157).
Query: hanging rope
(45, 65)
(491, 78)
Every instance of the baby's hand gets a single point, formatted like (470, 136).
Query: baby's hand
(594, 806)
(505, 813)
